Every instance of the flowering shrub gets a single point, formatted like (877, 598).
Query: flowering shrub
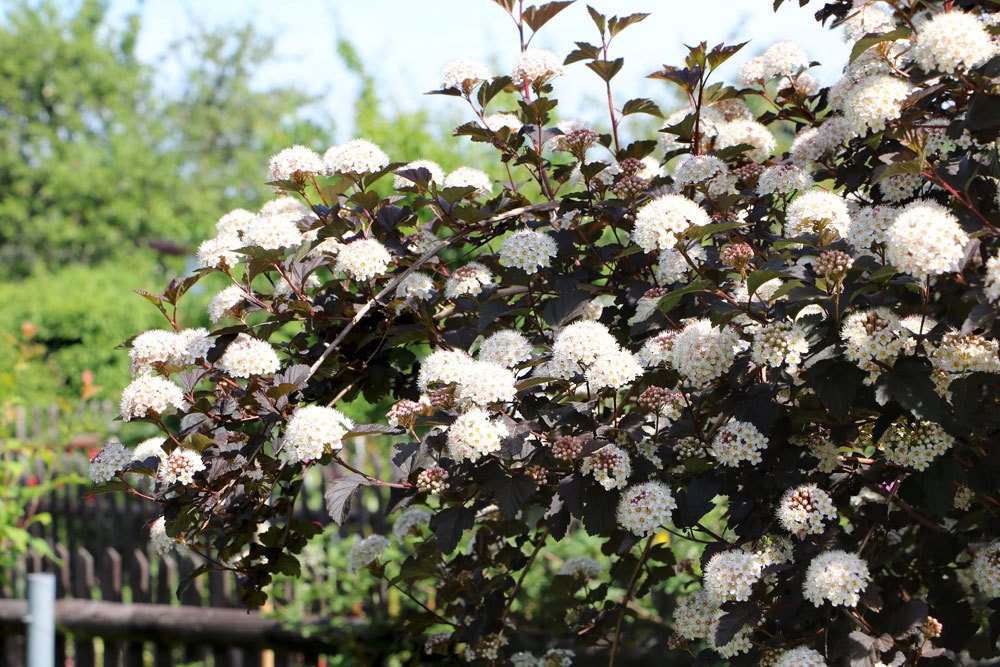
(788, 359)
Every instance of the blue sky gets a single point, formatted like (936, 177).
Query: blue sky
(406, 42)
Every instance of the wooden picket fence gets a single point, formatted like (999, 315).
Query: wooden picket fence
(117, 603)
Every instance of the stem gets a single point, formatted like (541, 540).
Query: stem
(628, 597)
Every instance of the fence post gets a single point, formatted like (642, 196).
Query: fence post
(41, 620)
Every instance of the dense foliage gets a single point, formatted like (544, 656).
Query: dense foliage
(787, 360)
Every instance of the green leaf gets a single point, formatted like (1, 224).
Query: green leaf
(641, 105)
(759, 277)
(868, 41)
(700, 232)
(671, 300)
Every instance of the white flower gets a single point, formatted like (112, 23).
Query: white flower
(410, 522)
(992, 285)
(468, 280)
(694, 617)
(702, 352)
(836, 576)
(417, 285)
(784, 58)
(464, 73)
(219, 252)
(699, 169)
(484, 382)
(915, 444)
(771, 551)
(235, 223)
(153, 347)
(961, 354)
(756, 135)
(507, 348)
(986, 570)
(421, 241)
(867, 20)
(646, 508)
(873, 338)
(951, 42)
(363, 259)
(671, 267)
(804, 509)
(283, 289)
(276, 225)
(436, 172)
(783, 180)
(614, 370)
(161, 543)
(523, 659)
(868, 227)
(660, 223)
(443, 367)
(294, 164)
(610, 466)
(779, 344)
(150, 394)
(467, 177)
(180, 466)
(225, 302)
(731, 575)
(365, 551)
(312, 431)
(247, 356)
(738, 441)
(658, 350)
(802, 656)
(148, 448)
(579, 345)
(754, 71)
(740, 643)
(495, 122)
(581, 567)
(356, 157)
(817, 212)
(536, 66)
(528, 250)
(474, 435)
(900, 187)
(925, 240)
(106, 463)
(875, 101)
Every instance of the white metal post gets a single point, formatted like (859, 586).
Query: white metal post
(41, 620)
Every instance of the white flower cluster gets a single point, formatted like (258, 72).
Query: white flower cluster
(435, 170)
(738, 441)
(284, 289)
(960, 354)
(992, 285)
(149, 448)
(614, 370)
(874, 102)
(578, 345)
(528, 250)
(161, 543)
(803, 510)
(365, 551)
(702, 352)
(418, 286)
(464, 73)
(180, 466)
(248, 356)
(508, 348)
(868, 228)
(836, 576)
(174, 348)
(149, 394)
(645, 508)
(671, 267)
(779, 344)
(443, 367)
(660, 223)
(483, 383)
(536, 66)
(410, 522)
(498, 121)
(658, 350)
(801, 656)
(363, 259)
(731, 575)
(951, 42)
(986, 570)
(473, 435)
(783, 180)
(108, 461)
(915, 444)
(610, 466)
(873, 338)
(695, 616)
(925, 240)
(819, 212)
(218, 252)
(468, 280)
(225, 302)
(467, 177)
(276, 225)
(781, 59)
(314, 430)
(867, 19)
(294, 164)
(355, 157)
(742, 131)
(707, 170)
(900, 187)
(581, 567)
